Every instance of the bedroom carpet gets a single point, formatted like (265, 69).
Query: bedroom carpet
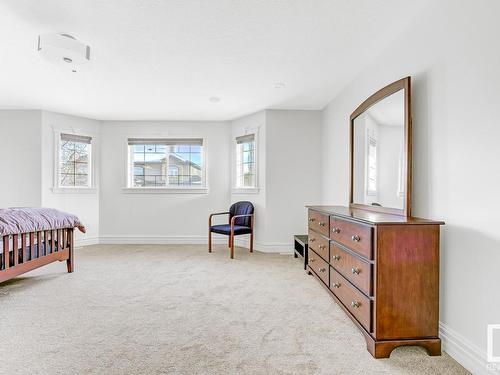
(175, 309)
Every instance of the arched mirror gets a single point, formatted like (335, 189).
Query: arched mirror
(380, 150)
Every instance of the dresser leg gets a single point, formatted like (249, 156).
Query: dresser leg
(383, 349)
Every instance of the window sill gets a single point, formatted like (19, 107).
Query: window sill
(146, 190)
(254, 190)
(74, 190)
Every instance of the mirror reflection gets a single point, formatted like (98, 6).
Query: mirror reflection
(379, 165)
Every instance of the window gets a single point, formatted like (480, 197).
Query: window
(371, 170)
(74, 161)
(166, 163)
(245, 162)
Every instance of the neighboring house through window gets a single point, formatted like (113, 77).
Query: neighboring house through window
(245, 162)
(164, 163)
(74, 161)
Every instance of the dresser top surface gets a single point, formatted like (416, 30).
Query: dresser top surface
(371, 217)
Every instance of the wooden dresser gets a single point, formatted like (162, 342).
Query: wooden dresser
(382, 270)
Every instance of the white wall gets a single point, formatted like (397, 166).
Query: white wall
(288, 168)
(250, 124)
(153, 217)
(389, 145)
(449, 53)
(20, 165)
(293, 172)
(83, 204)
(27, 152)
(360, 160)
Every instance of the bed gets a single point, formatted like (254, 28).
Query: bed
(33, 237)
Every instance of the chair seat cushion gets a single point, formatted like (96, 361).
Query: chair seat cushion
(226, 229)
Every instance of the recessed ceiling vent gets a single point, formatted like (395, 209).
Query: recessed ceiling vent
(63, 50)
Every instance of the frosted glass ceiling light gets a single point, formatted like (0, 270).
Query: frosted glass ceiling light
(63, 50)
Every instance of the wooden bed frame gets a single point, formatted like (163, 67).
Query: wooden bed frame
(58, 241)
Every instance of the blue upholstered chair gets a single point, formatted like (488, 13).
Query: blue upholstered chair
(241, 220)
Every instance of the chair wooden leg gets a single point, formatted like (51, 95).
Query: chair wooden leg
(229, 241)
(209, 241)
(232, 245)
(251, 242)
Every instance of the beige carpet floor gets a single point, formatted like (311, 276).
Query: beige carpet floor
(179, 310)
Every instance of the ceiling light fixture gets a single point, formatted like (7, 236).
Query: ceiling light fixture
(63, 50)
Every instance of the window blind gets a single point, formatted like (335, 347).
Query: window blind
(166, 141)
(245, 139)
(76, 138)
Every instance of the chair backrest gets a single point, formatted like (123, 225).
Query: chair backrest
(241, 208)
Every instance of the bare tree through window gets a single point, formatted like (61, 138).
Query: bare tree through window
(74, 161)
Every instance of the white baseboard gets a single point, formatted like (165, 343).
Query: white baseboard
(464, 352)
(160, 240)
(270, 247)
(79, 242)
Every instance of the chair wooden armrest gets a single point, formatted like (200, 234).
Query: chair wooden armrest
(233, 219)
(215, 214)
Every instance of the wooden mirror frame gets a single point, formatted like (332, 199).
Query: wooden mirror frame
(402, 84)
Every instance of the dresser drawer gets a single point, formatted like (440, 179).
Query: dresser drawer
(357, 237)
(356, 270)
(356, 302)
(319, 222)
(319, 244)
(319, 266)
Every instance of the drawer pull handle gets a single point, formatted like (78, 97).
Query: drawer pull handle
(355, 270)
(311, 219)
(336, 257)
(356, 238)
(355, 304)
(321, 247)
(312, 240)
(335, 230)
(321, 224)
(336, 285)
(322, 269)
(311, 260)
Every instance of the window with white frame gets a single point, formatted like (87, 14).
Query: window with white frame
(246, 168)
(166, 163)
(74, 161)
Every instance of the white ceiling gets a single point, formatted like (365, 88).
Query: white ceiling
(154, 59)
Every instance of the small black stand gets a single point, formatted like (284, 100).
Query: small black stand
(300, 245)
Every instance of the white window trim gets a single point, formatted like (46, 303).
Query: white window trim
(164, 190)
(245, 190)
(93, 187)
(129, 189)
